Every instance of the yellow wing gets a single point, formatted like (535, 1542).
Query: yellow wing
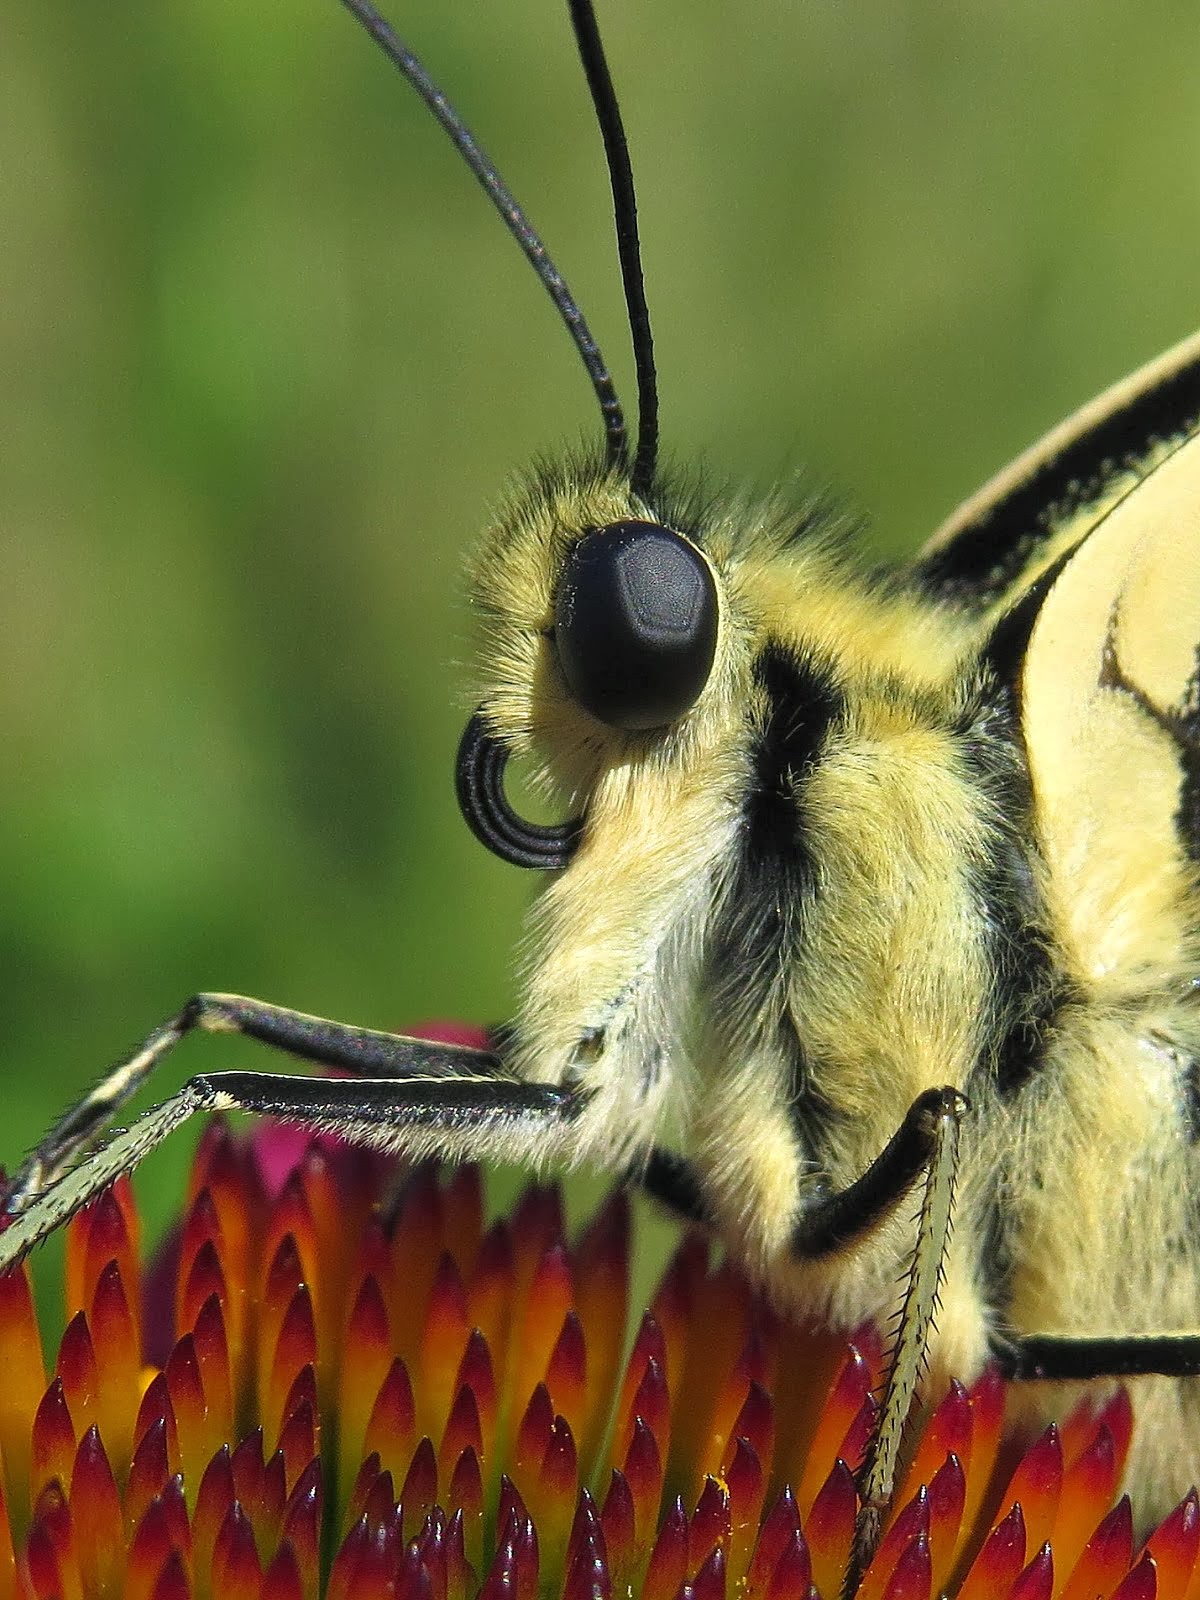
(1083, 559)
(1110, 710)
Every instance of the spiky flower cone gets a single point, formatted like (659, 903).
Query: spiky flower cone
(301, 1400)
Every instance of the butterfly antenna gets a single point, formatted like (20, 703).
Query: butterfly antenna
(518, 223)
(620, 174)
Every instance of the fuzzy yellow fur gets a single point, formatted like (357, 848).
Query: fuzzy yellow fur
(890, 993)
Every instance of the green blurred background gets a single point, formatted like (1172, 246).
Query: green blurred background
(267, 354)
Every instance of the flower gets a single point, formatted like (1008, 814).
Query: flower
(368, 1392)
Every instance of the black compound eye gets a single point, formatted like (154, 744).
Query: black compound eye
(636, 624)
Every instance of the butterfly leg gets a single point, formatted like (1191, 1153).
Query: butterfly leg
(362, 1051)
(461, 1116)
(924, 1146)
(1062, 1357)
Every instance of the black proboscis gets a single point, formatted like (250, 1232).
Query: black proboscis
(479, 783)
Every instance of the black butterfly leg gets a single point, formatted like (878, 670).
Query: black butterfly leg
(463, 1116)
(1061, 1357)
(363, 1051)
(924, 1147)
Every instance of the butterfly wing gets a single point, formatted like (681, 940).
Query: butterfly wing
(1109, 694)
(1080, 559)
(1007, 535)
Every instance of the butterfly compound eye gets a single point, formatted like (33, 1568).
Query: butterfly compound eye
(635, 624)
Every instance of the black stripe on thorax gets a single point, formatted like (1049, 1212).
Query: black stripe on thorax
(987, 556)
(1029, 983)
(1027, 986)
(758, 925)
(800, 700)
